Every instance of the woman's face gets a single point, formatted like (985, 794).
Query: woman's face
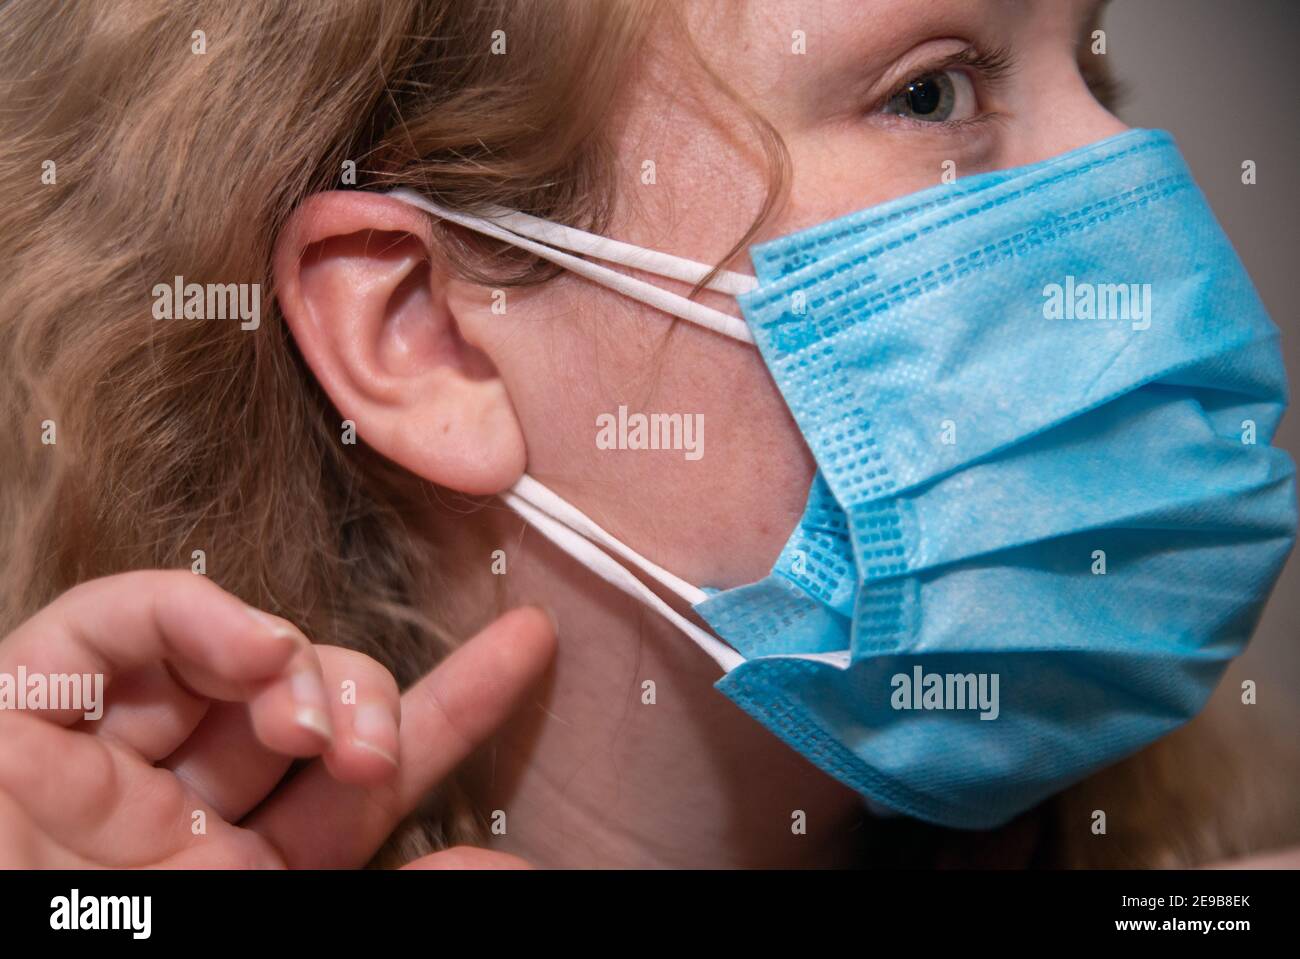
(1005, 86)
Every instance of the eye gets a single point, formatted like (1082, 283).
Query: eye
(943, 96)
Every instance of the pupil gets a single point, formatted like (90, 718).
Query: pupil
(923, 96)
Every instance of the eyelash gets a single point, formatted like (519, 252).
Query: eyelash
(988, 65)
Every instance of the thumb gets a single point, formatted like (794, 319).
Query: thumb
(468, 857)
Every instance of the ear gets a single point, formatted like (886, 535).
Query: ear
(372, 312)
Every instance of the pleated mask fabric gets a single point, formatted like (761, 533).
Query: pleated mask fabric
(1046, 513)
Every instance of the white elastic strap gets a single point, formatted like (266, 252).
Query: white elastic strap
(626, 254)
(534, 502)
(629, 286)
(554, 505)
(578, 535)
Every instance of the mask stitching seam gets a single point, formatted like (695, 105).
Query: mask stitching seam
(970, 190)
(760, 303)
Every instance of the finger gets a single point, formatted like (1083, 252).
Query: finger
(154, 713)
(457, 706)
(366, 709)
(316, 821)
(226, 763)
(59, 776)
(25, 845)
(468, 857)
(1273, 859)
(290, 712)
(109, 626)
(78, 789)
(149, 712)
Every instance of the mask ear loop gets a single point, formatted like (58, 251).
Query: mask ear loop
(562, 523)
(577, 534)
(625, 254)
(663, 264)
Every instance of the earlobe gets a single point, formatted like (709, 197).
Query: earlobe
(368, 305)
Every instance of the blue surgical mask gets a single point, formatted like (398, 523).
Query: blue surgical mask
(1046, 513)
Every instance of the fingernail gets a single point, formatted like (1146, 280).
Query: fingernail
(555, 623)
(276, 627)
(309, 703)
(374, 730)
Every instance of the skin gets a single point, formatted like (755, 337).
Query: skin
(210, 703)
(468, 399)
(587, 774)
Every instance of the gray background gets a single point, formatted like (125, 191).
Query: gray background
(1221, 76)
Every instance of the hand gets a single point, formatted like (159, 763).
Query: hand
(207, 704)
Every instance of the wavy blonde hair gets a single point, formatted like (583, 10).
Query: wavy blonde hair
(178, 436)
(172, 437)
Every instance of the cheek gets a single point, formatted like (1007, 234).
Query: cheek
(756, 483)
(852, 167)
(715, 512)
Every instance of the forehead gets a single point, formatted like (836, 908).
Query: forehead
(758, 39)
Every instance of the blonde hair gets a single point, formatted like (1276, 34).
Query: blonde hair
(172, 437)
(179, 436)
